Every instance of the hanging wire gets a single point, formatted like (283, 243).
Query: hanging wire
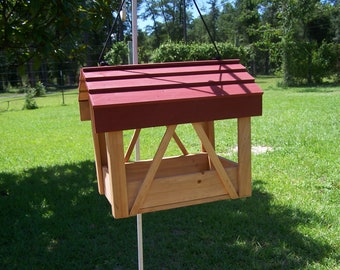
(218, 56)
(100, 60)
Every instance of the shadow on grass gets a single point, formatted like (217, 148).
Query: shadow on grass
(324, 88)
(53, 218)
(317, 88)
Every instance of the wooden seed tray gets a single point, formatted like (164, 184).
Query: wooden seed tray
(180, 181)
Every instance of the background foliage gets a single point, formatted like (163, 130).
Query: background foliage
(49, 41)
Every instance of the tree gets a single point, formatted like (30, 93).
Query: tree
(227, 24)
(296, 29)
(305, 26)
(64, 31)
(198, 31)
(169, 17)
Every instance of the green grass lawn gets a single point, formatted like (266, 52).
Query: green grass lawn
(52, 217)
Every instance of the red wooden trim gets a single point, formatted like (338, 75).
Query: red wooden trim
(142, 115)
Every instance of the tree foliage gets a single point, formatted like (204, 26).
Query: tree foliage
(56, 34)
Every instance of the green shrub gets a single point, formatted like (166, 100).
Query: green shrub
(118, 54)
(40, 89)
(30, 102)
(170, 52)
(310, 63)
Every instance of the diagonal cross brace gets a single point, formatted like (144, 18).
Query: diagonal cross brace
(226, 182)
(153, 169)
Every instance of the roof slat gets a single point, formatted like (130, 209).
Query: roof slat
(167, 82)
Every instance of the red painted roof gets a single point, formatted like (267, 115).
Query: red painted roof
(137, 96)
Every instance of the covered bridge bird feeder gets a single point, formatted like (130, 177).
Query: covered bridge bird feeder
(119, 98)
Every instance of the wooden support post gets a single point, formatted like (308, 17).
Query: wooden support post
(244, 157)
(99, 164)
(117, 173)
(100, 155)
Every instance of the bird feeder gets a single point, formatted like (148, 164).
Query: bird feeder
(121, 98)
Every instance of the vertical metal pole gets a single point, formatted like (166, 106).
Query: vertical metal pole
(134, 32)
(135, 53)
(135, 61)
(140, 242)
